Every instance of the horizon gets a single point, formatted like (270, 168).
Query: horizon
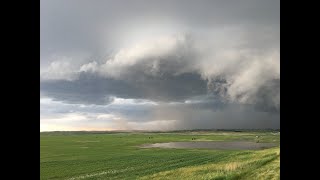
(273, 129)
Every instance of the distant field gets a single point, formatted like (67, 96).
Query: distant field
(101, 155)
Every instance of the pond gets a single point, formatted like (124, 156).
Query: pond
(235, 145)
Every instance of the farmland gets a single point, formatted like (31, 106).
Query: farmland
(117, 155)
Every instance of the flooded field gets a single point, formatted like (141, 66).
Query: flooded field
(237, 145)
(95, 155)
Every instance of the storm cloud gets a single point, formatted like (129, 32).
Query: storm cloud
(166, 65)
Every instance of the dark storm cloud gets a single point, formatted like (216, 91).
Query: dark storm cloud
(205, 64)
(268, 97)
(230, 116)
(75, 25)
(91, 89)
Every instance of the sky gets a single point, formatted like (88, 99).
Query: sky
(159, 65)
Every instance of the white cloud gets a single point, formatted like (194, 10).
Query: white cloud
(80, 121)
(70, 117)
(122, 101)
(107, 117)
(149, 53)
(90, 67)
(64, 67)
(57, 115)
(244, 69)
(58, 70)
(237, 54)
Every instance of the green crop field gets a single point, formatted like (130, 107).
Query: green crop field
(89, 155)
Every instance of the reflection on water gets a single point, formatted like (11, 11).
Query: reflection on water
(238, 145)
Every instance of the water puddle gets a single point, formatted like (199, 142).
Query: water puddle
(238, 145)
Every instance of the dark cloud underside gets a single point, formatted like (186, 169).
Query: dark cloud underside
(172, 64)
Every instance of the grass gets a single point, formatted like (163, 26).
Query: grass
(82, 155)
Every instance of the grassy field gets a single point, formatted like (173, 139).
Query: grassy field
(83, 155)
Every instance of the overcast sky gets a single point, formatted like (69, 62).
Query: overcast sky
(159, 65)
